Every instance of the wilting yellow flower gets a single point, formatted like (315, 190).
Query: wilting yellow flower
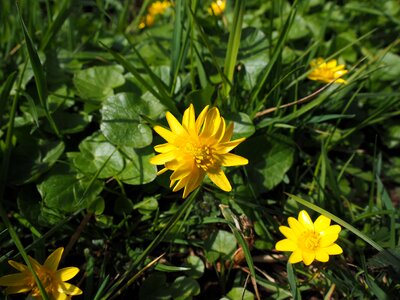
(327, 71)
(217, 7)
(196, 148)
(156, 8)
(53, 280)
(309, 240)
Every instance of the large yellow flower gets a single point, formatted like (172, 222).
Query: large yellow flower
(309, 240)
(196, 148)
(217, 7)
(327, 71)
(53, 280)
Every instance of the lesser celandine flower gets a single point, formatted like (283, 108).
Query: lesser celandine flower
(156, 8)
(309, 240)
(217, 7)
(53, 280)
(327, 71)
(195, 148)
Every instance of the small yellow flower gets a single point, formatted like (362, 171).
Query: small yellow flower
(156, 8)
(327, 71)
(53, 280)
(217, 7)
(309, 240)
(197, 148)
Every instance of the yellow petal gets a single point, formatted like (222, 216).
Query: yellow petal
(288, 233)
(211, 123)
(296, 256)
(54, 259)
(200, 119)
(60, 296)
(194, 182)
(321, 255)
(327, 240)
(229, 159)
(228, 146)
(167, 147)
(15, 279)
(18, 266)
(166, 134)
(162, 158)
(321, 223)
(331, 64)
(69, 289)
(66, 274)
(182, 171)
(188, 120)
(174, 124)
(35, 264)
(334, 249)
(17, 289)
(296, 226)
(331, 230)
(308, 257)
(228, 134)
(219, 178)
(305, 220)
(286, 245)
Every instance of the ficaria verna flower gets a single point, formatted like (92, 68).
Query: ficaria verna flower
(196, 148)
(156, 8)
(327, 71)
(309, 240)
(217, 7)
(53, 280)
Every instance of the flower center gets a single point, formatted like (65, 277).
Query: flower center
(309, 240)
(203, 156)
(47, 280)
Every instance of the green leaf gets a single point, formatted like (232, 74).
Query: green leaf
(220, 244)
(242, 124)
(32, 157)
(267, 168)
(121, 122)
(67, 190)
(184, 288)
(196, 265)
(147, 205)
(155, 287)
(98, 82)
(237, 293)
(96, 154)
(388, 258)
(138, 169)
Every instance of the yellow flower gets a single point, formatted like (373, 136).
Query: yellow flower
(327, 71)
(309, 240)
(196, 148)
(217, 7)
(158, 7)
(53, 280)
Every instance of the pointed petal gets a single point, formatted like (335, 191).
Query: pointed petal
(321, 255)
(223, 148)
(17, 289)
(182, 171)
(174, 124)
(219, 178)
(211, 123)
(296, 256)
(305, 220)
(194, 182)
(166, 134)
(289, 233)
(327, 240)
(162, 171)
(66, 274)
(296, 226)
(321, 223)
(188, 120)
(200, 119)
(331, 64)
(334, 229)
(162, 148)
(18, 266)
(35, 264)
(308, 257)
(54, 259)
(69, 289)
(17, 279)
(334, 249)
(286, 245)
(229, 160)
(162, 158)
(228, 134)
